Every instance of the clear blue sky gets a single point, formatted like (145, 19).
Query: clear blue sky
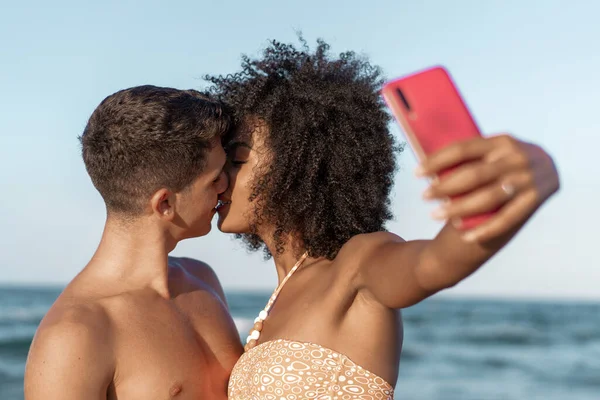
(529, 67)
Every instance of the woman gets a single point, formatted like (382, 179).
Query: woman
(311, 166)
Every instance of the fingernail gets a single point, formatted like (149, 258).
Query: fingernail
(470, 236)
(439, 213)
(428, 194)
(420, 171)
(456, 222)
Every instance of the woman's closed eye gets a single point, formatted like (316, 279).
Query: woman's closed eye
(237, 153)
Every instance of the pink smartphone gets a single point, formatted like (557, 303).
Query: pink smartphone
(432, 114)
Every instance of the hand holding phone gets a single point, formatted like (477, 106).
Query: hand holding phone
(493, 184)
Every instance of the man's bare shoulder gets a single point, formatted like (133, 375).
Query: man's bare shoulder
(72, 342)
(67, 321)
(190, 274)
(198, 269)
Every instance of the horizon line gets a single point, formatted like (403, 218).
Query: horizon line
(439, 296)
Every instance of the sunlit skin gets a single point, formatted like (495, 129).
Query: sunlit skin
(128, 326)
(350, 303)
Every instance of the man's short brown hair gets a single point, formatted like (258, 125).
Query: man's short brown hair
(144, 138)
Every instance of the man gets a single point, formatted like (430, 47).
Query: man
(129, 326)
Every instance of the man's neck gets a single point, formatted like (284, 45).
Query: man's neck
(133, 255)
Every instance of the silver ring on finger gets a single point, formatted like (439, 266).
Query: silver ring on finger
(508, 189)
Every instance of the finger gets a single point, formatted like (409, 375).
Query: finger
(485, 199)
(469, 177)
(453, 155)
(491, 148)
(509, 217)
(504, 145)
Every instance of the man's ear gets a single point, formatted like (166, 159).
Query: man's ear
(163, 203)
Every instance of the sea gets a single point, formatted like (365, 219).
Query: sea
(454, 349)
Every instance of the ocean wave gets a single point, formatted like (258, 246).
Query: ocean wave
(585, 334)
(479, 364)
(10, 370)
(17, 346)
(9, 315)
(502, 335)
(411, 354)
(584, 373)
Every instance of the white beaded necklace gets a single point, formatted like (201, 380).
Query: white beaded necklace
(258, 322)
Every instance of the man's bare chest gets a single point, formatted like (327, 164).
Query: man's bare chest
(164, 354)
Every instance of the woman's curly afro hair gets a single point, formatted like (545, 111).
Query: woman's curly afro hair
(332, 155)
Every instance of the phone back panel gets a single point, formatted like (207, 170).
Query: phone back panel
(436, 115)
(433, 115)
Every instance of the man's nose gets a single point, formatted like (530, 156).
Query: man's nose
(225, 180)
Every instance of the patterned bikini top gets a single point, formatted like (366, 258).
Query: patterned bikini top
(288, 370)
